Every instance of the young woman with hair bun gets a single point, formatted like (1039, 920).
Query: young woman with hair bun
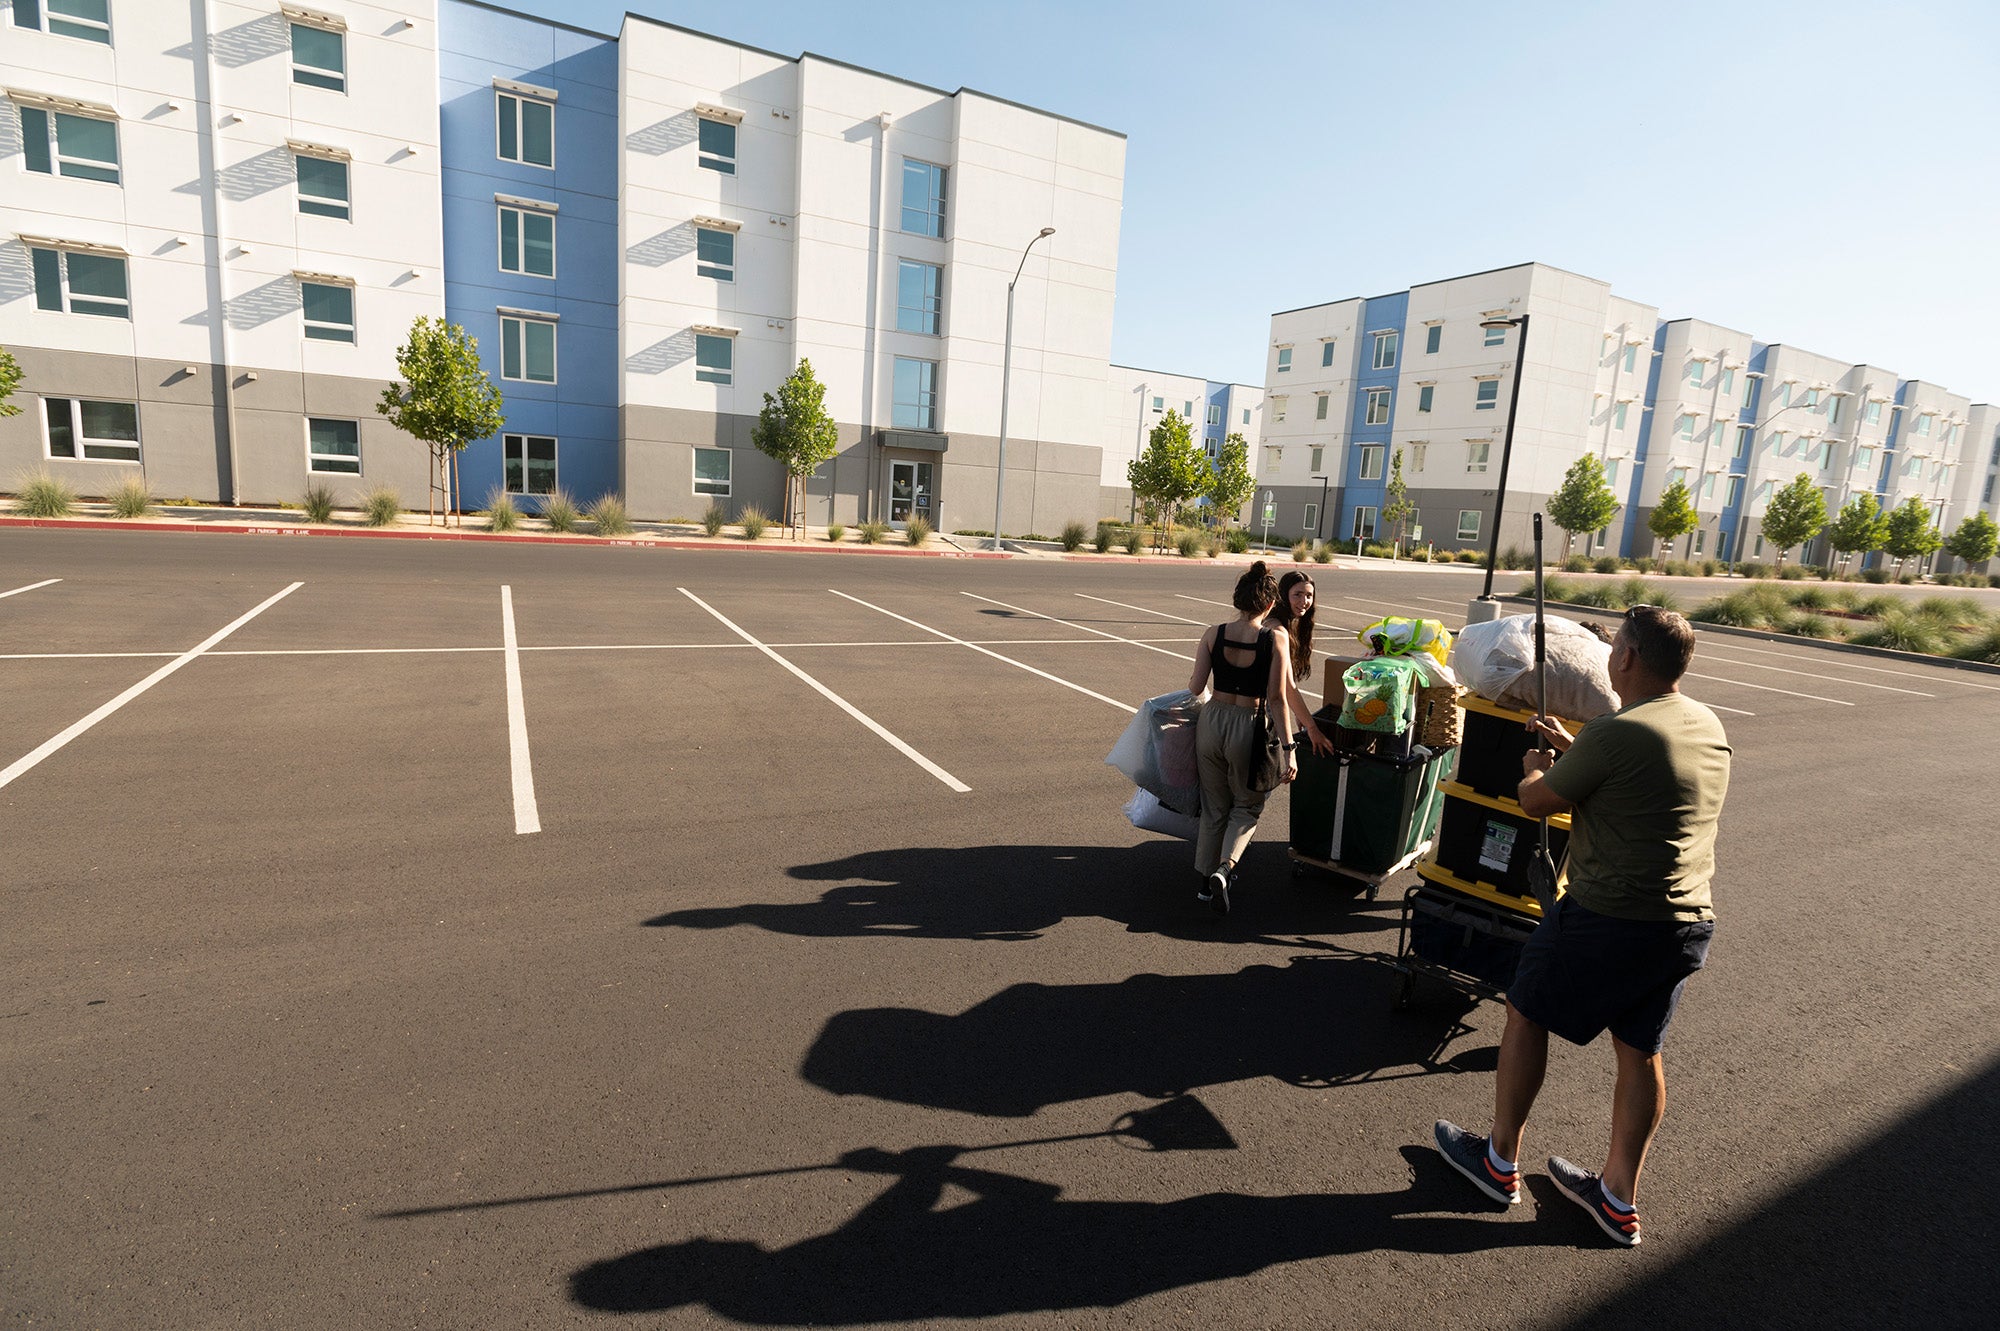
(1248, 661)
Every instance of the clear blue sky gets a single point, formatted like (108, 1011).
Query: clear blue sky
(1817, 173)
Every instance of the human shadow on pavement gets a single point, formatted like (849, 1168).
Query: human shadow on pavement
(1315, 1021)
(1013, 893)
(1019, 1247)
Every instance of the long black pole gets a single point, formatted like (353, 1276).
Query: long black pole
(1506, 456)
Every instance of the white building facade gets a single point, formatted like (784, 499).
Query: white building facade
(1139, 399)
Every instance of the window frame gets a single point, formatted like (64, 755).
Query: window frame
(294, 26)
(723, 376)
(1478, 455)
(714, 159)
(1387, 344)
(521, 101)
(1284, 360)
(1382, 398)
(65, 293)
(521, 323)
(1320, 404)
(314, 458)
(1316, 459)
(346, 204)
(1376, 453)
(1433, 339)
(1478, 516)
(508, 440)
(49, 142)
(929, 309)
(1358, 533)
(521, 215)
(1695, 370)
(926, 403)
(729, 468)
(936, 203)
(81, 442)
(1483, 400)
(1326, 347)
(1312, 517)
(1732, 494)
(715, 269)
(1426, 398)
(1618, 415)
(1494, 337)
(1215, 413)
(352, 327)
(44, 21)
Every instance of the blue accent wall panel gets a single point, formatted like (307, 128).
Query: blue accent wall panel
(1379, 314)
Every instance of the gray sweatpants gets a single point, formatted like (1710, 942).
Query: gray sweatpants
(1224, 737)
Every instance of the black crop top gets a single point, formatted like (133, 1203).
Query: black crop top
(1251, 681)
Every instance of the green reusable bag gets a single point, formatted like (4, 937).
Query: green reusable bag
(1380, 691)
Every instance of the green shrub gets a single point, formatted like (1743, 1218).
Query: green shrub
(1134, 542)
(1709, 568)
(1189, 545)
(560, 511)
(1636, 591)
(872, 533)
(1753, 569)
(1107, 538)
(1473, 557)
(970, 531)
(714, 519)
(1958, 611)
(319, 502)
(917, 530)
(1576, 564)
(1793, 573)
(1074, 534)
(1302, 552)
(1810, 598)
(754, 521)
(133, 498)
(1906, 579)
(1752, 608)
(1323, 555)
(383, 506)
(44, 496)
(1807, 625)
(1555, 588)
(1877, 575)
(1980, 647)
(608, 516)
(834, 532)
(1993, 580)
(1877, 605)
(1607, 564)
(1512, 557)
(1212, 545)
(1238, 541)
(1904, 630)
(502, 514)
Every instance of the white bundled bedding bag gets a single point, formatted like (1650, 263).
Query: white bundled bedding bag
(1496, 660)
(1156, 753)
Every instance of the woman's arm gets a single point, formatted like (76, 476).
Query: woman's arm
(1198, 681)
(1297, 702)
(1277, 706)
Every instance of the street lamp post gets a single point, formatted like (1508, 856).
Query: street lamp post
(1006, 372)
(1486, 607)
(1319, 521)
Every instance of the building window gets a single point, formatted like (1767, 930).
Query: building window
(1874, 414)
(329, 311)
(1426, 394)
(711, 471)
(1385, 351)
(1284, 360)
(528, 350)
(1476, 455)
(1495, 337)
(1611, 470)
(1677, 476)
(1312, 518)
(1744, 434)
(1812, 398)
(1708, 486)
(1618, 416)
(1694, 372)
(923, 198)
(1187, 411)
(1159, 404)
(1326, 353)
(92, 431)
(1468, 524)
(919, 297)
(1278, 408)
(1488, 395)
(1757, 548)
(1319, 406)
(1417, 452)
(714, 358)
(319, 57)
(1273, 455)
(1684, 426)
(1433, 339)
(1215, 413)
(1364, 524)
(1864, 457)
(1734, 494)
(1700, 539)
(333, 447)
(1986, 496)
(1631, 356)
(87, 20)
(81, 147)
(1318, 458)
(530, 464)
(915, 407)
(715, 145)
(1924, 424)
(715, 254)
(1784, 398)
(1246, 421)
(72, 282)
(1378, 407)
(526, 129)
(1722, 544)
(1728, 381)
(1371, 462)
(322, 186)
(527, 242)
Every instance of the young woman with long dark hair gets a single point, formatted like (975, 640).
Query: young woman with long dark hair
(1296, 605)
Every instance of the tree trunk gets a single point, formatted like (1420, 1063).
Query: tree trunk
(430, 487)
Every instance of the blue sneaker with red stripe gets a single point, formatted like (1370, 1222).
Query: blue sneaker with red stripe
(1468, 1154)
(1587, 1190)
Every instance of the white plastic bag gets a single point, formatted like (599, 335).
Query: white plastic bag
(1156, 752)
(1496, 660)
(1149, 815)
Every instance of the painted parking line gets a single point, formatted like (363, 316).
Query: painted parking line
(949, 640)
(22, 766)
(1766, 688)
(1204, 623)
(527, 815)
(1081, 628)
(1841, 660)
(45, 582)
(1325, 608)
(562, 647)
(1817, 674)
(881, 731)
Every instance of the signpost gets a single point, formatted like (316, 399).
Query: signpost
(1270, 515)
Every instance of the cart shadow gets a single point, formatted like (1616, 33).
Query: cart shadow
(1014, 893)
(1323, 1020)
(1019, 1247)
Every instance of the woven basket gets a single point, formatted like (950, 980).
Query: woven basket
(1438, 717)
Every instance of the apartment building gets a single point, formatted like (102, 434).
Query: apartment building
(229, 215)
(1428, 374)
(1976, 487)
(1139, 399)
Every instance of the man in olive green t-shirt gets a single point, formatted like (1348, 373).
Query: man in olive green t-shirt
(1645, 785)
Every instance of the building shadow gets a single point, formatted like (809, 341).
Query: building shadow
(1903, 1231)
(272, 169)
(257, 39)
(676, 242)
(663, 136)
(17, 270)
(1315, 1021)
(1011, 893)
(662, 355)
(1018, 1246)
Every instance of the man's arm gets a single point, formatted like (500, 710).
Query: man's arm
(1533, 794)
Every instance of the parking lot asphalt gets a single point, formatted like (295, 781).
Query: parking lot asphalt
(341, 984)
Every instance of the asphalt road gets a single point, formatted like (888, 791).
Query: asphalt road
(298, 1030)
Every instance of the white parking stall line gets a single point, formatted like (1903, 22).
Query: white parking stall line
(45, 582)
(1326, 611)
(1352, 602)
(1081, 628)
(1204, 623)
(21, 766)
(892, 740)
(948, 640)
(1766, 688)
(1718, 707)
(527, 815)
(1815, 674)
(1841, 660)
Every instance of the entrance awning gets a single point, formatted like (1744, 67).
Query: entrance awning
(925, 440)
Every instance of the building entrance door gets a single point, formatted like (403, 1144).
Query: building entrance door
(910, 493)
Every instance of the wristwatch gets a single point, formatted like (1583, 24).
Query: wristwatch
(1287, 747)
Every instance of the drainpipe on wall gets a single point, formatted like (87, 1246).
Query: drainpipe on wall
(219, 342)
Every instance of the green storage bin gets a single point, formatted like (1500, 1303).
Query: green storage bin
(1392, 805)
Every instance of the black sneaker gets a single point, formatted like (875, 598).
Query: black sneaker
(1206, 892)
(1587, 1190)
(1218, 886)
(1468, 1154)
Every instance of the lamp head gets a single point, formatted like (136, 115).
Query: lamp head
(1048, 231)
(1498, 323)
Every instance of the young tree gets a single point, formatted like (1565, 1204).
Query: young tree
(795, 428)
(10, 379)
(1911, 533)
(1584, 502)
(1231, 485)
(1794, 515)
(1974, 540)
(1397, 509)
(1859, 528)
(1673, 517)
(1171, 471)
(445, 401)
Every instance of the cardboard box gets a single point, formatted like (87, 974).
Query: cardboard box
(1334, 693)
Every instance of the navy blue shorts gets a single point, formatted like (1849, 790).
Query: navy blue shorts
(1582, 973)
